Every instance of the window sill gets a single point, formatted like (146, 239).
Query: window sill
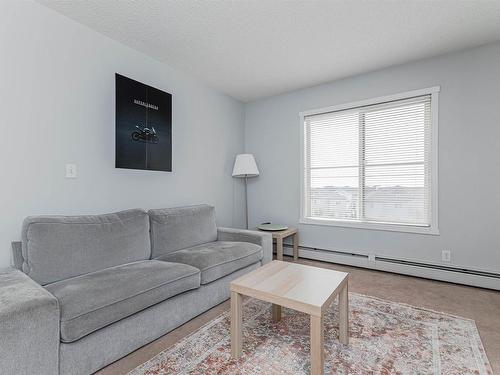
(432, 230)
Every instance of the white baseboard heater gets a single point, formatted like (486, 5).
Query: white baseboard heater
(451, 274)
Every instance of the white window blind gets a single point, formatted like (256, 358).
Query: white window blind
(370, 164)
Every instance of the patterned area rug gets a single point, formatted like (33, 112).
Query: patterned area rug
(385, 338)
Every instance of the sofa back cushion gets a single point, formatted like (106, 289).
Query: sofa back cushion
(178, 228)
(59, 247)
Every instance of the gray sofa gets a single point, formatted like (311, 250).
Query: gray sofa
(88, 290)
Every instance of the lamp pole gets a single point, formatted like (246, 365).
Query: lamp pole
(246, 202)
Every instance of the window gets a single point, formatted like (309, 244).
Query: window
(372, 164)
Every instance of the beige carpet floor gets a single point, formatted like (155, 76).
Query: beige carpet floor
(481, 305)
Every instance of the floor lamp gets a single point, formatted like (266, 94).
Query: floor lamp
(244, 167)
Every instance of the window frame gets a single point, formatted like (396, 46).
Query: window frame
(432, 228)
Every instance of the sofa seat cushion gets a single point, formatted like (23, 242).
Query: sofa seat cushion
(95, 300)
(217, 259)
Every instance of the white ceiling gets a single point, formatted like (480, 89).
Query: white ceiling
(254, 49)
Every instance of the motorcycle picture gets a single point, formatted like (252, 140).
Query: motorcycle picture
(146, 135)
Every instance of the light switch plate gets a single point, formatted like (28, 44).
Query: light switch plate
(71, 171)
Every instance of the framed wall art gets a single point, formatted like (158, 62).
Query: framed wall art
(143, 126)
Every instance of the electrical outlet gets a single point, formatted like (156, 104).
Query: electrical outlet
(446, 256)
(71, 171)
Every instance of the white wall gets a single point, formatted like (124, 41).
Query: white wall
(469, 159)
(57, 106)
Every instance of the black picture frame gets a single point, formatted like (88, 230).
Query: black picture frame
(143, 126)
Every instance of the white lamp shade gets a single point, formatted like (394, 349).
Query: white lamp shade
(245, 166)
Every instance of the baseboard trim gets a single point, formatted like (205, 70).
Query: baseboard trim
(448, 274)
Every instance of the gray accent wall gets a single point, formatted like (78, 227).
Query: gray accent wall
(469, 159)
(57, 96)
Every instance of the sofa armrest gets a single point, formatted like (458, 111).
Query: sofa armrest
(242, 235)
(29, 326)
(17, 255)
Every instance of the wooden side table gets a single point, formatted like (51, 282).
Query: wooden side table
(280, 235)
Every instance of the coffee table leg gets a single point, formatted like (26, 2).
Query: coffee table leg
(296, 246)
(317, 354)
(279, 248)
(276, 312)
(236, 331)
(344, 315)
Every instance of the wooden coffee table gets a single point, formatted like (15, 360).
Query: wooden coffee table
(308, 289)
